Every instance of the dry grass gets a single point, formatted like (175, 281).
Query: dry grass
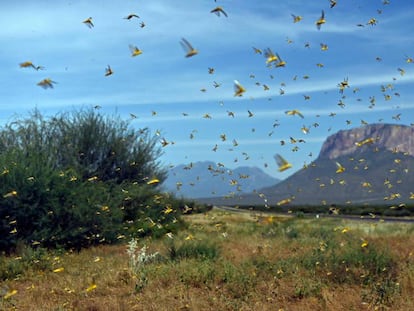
(271, 264)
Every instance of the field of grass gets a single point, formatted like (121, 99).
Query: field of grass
(225, 261)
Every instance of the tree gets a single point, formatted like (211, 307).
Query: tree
(107, 148)
(77, 179)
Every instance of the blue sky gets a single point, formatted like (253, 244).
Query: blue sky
(163, 88)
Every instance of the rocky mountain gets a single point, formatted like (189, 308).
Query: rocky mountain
(373, 164)
(398, 138)
(208, 179)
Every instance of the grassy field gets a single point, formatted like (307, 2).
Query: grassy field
(225, 261)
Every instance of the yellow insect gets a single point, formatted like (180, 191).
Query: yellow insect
(26, 64)
(10, 194)
(366, 184)
(57, 270)
(282, 163)
(108, 71)
(189, 237)
(238, 89)
(188, 48)
(46, 83)
(340, 168)
(218, 10)
(135, 50)
(294, 112)
(321, 20)
(342, 85)
(365, 141)
(153, 181)
(88, 22)
(164, 142)
(91, 288)
(280, 63)
(270, 56)
(296, 18)
(305, 130)
(324, 47)
(30, 64)
(284, 201)
(10, 294)
(257, 51)
(168, 209)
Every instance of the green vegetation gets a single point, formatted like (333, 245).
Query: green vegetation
(79, 179)
(225, 261)
(73, 183)
(400, 210)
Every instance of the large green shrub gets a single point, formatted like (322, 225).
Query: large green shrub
(78, 179)
(88, 142)
(107, 148)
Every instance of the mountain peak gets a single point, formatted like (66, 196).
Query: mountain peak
(209, 179)
(382, 136)
(377, 163)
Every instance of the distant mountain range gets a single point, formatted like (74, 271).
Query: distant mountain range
(372, 164)
(208, 179)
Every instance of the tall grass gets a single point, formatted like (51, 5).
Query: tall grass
(238, 264)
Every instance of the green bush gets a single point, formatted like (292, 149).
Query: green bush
(193, 249)
(27, 258)
(238, 280)
(107, 147)
(196, 273)
(79, 179)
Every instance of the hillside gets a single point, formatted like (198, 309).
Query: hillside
(369, 178)
(208, 179)
(377, 163)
